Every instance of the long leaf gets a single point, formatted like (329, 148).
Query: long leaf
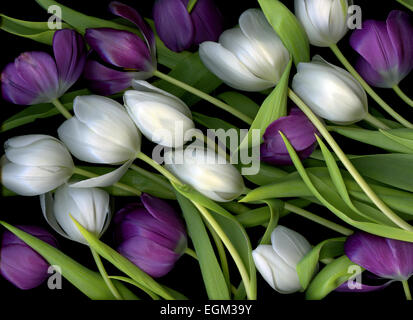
(288, 29)
(214, 279)
(87, 281)
(240, 102)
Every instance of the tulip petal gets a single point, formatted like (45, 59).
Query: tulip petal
(105, 180)
(372, 76)
(120, 48)
(207, 21)
(70, 54)
(173, 24)
(226, 66)
(364, 288)
(47, 203)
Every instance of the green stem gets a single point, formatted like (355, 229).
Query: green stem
(376, 122)
(59, 106)
(349, 166)
(153, 177)
(158, 167)
(104, 274)
(205, 96)
(191, 253)
(119, 185)
(134, 283)
(317, 219)
(402, 95)
(191, 5)
(251, 293)
(407, 290)
(369, 89)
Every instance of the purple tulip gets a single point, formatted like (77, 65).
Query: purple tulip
(385, 48)
(150, 235)
(386, 258)
(135, 58)
(35, 77)
(298, 130)
(180, 30)
(19, 263)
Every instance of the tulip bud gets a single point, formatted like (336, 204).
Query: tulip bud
(207, 172)
(180, 29)
(325, 21)
(331, 92)
(385, 48)
(35, 77)
(150, 235)
(19, 263)
(277, 263)
(88, 206)
(386, 258)
(101, 132)
(35, 164)
(250, 57)
(298, 130)
(160, 116)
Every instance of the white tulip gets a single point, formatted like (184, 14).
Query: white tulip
(160, 116)
(89, 206)
(250, 57)
(207, 172)
(35, 164)
(325, 21)
(331, 92)
(101, 132)
(277, 263)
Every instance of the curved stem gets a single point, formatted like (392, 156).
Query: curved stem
(376, 122)
(369, 89)
(119, 185)
(228, 244)
(158, 167)
(402, 95)
(59, 106)
(191, 253)
(134, 283)
(407, 290)
(324, 222)
(349, 166)
(104, 274)
(205, 96)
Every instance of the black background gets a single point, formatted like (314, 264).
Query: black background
(185, 277)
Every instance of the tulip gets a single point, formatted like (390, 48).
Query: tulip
(207, 172)
(101, 132)
(160, 116)
(386, 258)
(251, 57)
(19, 263)
(277, 263)
(325, 21)
(150, 235)
(120, 49)
(35, 77)
(331, 92)
(385, 48)
(180, 29)
(35, 164)
(298, 130)
(88, 206)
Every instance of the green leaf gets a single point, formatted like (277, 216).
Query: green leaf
(268, 174)
(143, 180)
(240, 102)
(123, 264)
(393, 169)
(308, 265)
(37, 31)
(275, 206)
(403, 137)
(214, 279)
(407, 3)
(41, 111)
(273, 107)
(371, 137)
(7, 193)
(330, 278)
(87, 281)
(288, 29)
